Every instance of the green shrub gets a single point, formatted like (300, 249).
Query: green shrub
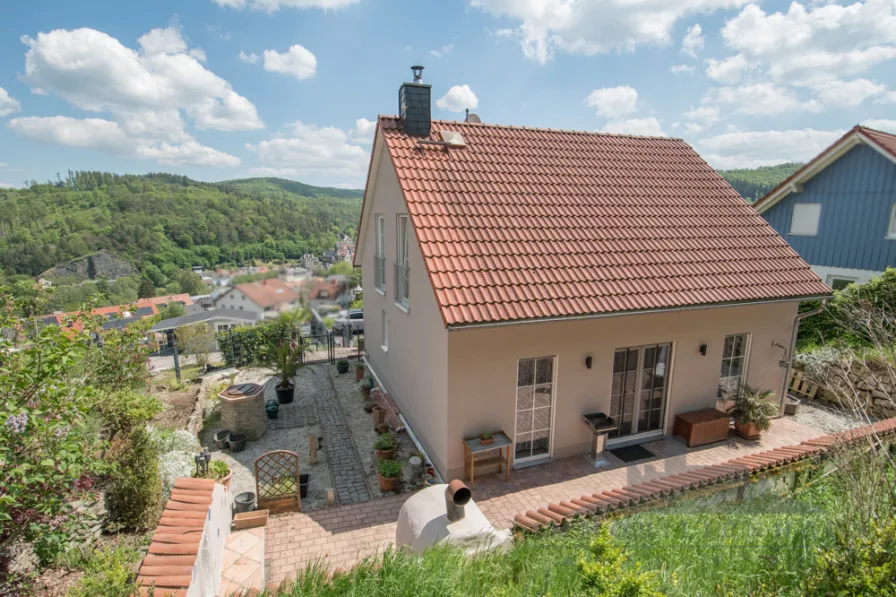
(125, 410)
(866, 565)
(389, 468)
(108, 573)
(134, 491)
(248, 345)
(218, 469)
(604, 571)
(384, 441)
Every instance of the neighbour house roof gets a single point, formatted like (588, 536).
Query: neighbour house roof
(525, 224)
(268, 293)
(203, 316)
(167, 299)
(885, 143)
(330, 288)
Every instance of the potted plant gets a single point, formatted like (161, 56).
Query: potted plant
(752, 412)
(359, 371)
(388, 471)
(272, 408)
(486, 439)
(385, 446)
(364, 385)
(284, 359)
(220, 472)
(341, 366)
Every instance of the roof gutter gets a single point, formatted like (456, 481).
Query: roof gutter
(793, 334)
(453, 328)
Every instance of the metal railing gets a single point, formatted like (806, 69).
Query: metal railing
(402, 285)
(379, 272)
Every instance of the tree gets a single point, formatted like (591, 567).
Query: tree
(343, 268)
(197, 340)
(191, 283)
(146, 289)
(171, 311)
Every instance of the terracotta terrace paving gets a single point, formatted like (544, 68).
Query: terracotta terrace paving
(340, 537)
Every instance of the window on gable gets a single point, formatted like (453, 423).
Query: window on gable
(891, 229)
(402, 269)
(840, 282)
(379, 258)
(805, 219)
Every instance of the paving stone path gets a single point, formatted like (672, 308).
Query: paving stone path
(345, 463)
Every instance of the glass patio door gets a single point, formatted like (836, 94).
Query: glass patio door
(534, 405)
(638, 395)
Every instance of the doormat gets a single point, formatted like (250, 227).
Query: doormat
(632, 453)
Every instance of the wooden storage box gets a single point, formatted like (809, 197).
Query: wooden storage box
(702, 426)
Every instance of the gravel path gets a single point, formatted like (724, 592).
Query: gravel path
(294, 439)
(823, 417)
(361, 427)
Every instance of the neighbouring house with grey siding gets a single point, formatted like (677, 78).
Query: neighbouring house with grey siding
(839, 210)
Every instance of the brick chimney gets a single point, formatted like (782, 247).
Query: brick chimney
(414, 104)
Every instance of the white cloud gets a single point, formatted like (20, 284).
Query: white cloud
(635, 126)
(297, 61)
(162, 41)
(757, 99)
(94, 72)
(848, 94)
(458, 98)
(765, 148)
(251, 58)
(730, 70)
(446, 49)
(8, 105)
(693, 41)
(363, 131)
(822, 43)
(319, 155)
(7, 185)
(198, 54)
(110, 137)
(3, 164)
(881, 124)
(597, 26)
(274, 5)
(681, 68)
(613, 102)
(701, 118)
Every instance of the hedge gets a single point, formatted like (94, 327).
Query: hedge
(243, 345)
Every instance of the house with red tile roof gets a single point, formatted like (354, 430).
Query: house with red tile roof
(265, 298)
(326, 292)
(839, 210)
(517, 279)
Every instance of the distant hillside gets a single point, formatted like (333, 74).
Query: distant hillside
(96, 266)
(162, 224)
(753, 184)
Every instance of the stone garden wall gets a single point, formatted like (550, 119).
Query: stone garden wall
(871, 382)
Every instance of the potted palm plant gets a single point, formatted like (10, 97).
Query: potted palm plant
(385, 446)
(752, 412)
(284, 359)
(388, 471)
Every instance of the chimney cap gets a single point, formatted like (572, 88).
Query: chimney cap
(418, 73)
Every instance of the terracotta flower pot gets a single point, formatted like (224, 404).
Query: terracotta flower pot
(226, 480)
(486, 442)
(747, 430)
(366, 392)
(359, 373)
(386, 454)
(379, 415)
(388, 483)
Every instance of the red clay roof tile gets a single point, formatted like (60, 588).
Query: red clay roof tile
(527, 224)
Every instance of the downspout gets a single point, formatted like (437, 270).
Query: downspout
(790, 356)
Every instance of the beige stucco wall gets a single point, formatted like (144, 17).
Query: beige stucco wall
(415, 368)
(482, 367)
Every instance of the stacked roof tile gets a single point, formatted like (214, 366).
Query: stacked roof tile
(527, 224)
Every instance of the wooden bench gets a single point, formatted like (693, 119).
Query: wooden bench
(702, 426)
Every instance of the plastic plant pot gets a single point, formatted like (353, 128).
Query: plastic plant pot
(272, 409)
(244, 502)
(237, 442)
(221, 439)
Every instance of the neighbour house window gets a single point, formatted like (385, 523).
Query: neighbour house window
(379, 258)
(385, 332)
(734, 366)
(401, 264)
(891, 228)
(805, 219)
(840, 282)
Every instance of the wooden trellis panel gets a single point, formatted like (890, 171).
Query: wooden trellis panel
(277, 481)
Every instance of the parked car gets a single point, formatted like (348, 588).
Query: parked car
(354, 318)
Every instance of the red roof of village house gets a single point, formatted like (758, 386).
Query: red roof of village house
(527, 224)
(333, 289)
(268, 293)
(164, 300)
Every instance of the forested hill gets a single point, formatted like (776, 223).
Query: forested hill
(164, 223)
(753, 184)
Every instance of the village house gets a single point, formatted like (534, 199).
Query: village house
(517, 279)
(839, 210)
(266, 298)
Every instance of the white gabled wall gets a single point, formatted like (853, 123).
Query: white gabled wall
(414, 370)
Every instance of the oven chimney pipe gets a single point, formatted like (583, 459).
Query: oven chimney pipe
(457, 495)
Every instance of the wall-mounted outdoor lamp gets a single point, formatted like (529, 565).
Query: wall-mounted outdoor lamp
(588, 362)
(703, 349)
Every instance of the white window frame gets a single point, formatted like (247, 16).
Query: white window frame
(385, 333)
(743, 372)
(553, 407)
(834, 278)
(380, 253)
(402, 239)
(801, 219)
(891, 228)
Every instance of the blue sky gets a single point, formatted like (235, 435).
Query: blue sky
(222, 89)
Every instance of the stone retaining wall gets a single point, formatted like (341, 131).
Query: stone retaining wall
(871, 381)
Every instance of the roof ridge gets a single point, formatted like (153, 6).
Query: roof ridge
(862, 127)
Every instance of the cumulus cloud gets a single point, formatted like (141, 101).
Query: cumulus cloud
(635, 126)
(446, 49)
(848, 94)
(363, 131)
(881, 124)
(275, 5)
(757, 99)
(701, 118)
(693, 41)
(8, 104)
(730, 70)
(319, 155)
(681, 68)
(297, 61)
(597, 26)
(162, 41)
(613, 102)
(110, 137)
(765, 148)
(251, 58)
(458, 99)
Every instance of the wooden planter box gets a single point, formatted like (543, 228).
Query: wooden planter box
(250, 520)
(702, 426)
